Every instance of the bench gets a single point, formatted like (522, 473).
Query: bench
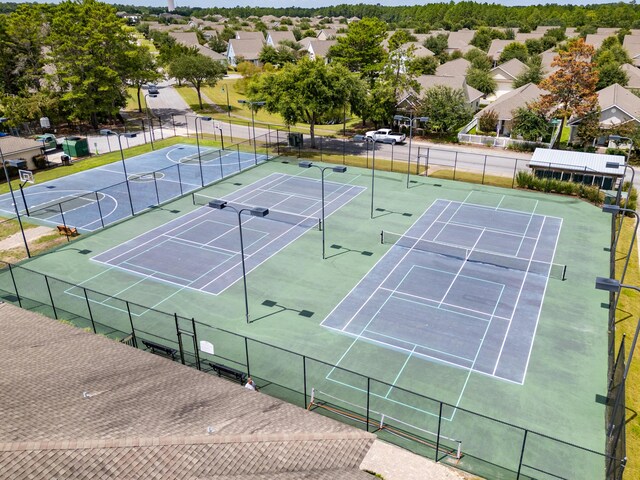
(227, 371)
(68, 231)
(156, 347)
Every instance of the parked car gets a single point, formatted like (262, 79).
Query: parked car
(385, 135)
(50, 141)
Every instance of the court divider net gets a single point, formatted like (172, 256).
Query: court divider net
(552, 270)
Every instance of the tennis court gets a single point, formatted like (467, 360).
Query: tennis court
(464, 286)
(90, 199)
(201, 250)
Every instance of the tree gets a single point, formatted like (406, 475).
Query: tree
(483, 37)
(514, 50)
(488, 121)
(446, 108)
(533, 74)
(481, 80)
(303, 91)
(438, 44)
(530, 123)
(142, 70)
(217, 44)
(610, 73)
(197, 70)
(277, 56)
(572, 88)
(91, 53)
(423, 65)
(399, 38)
(479, 59)
(360, 50)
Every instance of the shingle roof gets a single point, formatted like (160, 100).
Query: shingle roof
(460, 39)
(617, 96)
(523, 37)
(77, 402)
(321, 47)
(632, 45)
(510, 101)
(595, 39)
(190, 39)
(512, 68)
(11, 145)
(457, 83)
(496, 47)
(248, 49)
(548, 57)
(454, 68)
(278, 36)
(633, 73)
(244, 35)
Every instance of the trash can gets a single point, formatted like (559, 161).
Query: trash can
(76, 146)
(295, 140)
(65, 159)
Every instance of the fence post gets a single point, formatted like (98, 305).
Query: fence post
(231, 131)
(320, 148)
(15, 286)
(99, 209)
(484, 168)
(455, 165)
(524, 442)
(246, 352)
(175, 316)
(86, 297)
(304, 377)
(133, 331)
(368, 396)
(278, 142)
(344, 150)
(196, 352)
(392, 147)
(173, 124)
(438, 435)
(238, 154)
(63, 220)
(161, 132)
(53, 306)
(515, 169)
(155, 182)
(180, 179)
(249, 129)
(221, 168)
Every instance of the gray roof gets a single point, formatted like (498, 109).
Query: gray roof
(278, 36)
(632, 45)
(12, 146)
(457, 83)
(454, 68)
(548, 56)
(189, 39)
(633, 73)
(510, 101)
(243, 35)
(69, 396)
(320, 47)
(248, 49)
(523, 37)
(460, 39)
(496, 47)
(595, 39)
(617, 96)
(576, 161)
(512, 68)
(608, 30)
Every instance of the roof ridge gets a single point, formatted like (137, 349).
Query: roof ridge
(181, 440)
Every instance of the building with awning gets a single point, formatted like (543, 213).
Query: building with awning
(579, 167)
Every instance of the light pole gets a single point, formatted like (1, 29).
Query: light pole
(337, 169)
(254, 211)
(373, 170)
(206, 119)
(411, 119)
(146, 103)
(108, 133)
(228, 104)
(253, 123)
(17, 164)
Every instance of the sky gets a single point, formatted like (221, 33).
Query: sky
(325, 3)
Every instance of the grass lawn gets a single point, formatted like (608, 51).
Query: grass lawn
(37, 246)
(626, 320)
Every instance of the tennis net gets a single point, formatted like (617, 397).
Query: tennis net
(274, 215)
(552, 270)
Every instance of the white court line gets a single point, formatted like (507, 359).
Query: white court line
(515, 307)
(501, 200)
(489, 229)
(544, 292)
(527, 229)
(464, 262)
(472, 369)
(393, 384)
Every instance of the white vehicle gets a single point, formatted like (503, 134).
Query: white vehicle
(385, 135)
(50, 141)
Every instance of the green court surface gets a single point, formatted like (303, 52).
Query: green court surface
(294, 290)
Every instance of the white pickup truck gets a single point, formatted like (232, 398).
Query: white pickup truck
(385, 135)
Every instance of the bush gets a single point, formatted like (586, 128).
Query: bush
(524, 179)
(548, 185)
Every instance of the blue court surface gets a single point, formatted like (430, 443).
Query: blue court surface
(201, 250)
(463, 286)
(91, 199)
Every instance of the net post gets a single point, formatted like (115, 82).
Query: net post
(99, 209)
(320, 226)
(246, 352)
(564, 273)
(86, 297)
(180, 179)
(195, 343)
(133, 332)
(524, 443)
(382, 237)
(53, 306)
(459, 450)
(193, 198)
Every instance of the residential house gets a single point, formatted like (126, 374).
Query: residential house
(523, 37)
(244, 50)
(548, 58)
(454, 68)
(460, 41)
(632, 44)
(595, 39)
(607, 31)
(408, 100)
(326, 34)
(274, 37)
(506, 104)
(244, 35)
(618, 106)
(571, 32)
(504, 75)
(319, 48)
(633, 73)
(86, 407)
(304, 42)
(190, 39)
(496, 48)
